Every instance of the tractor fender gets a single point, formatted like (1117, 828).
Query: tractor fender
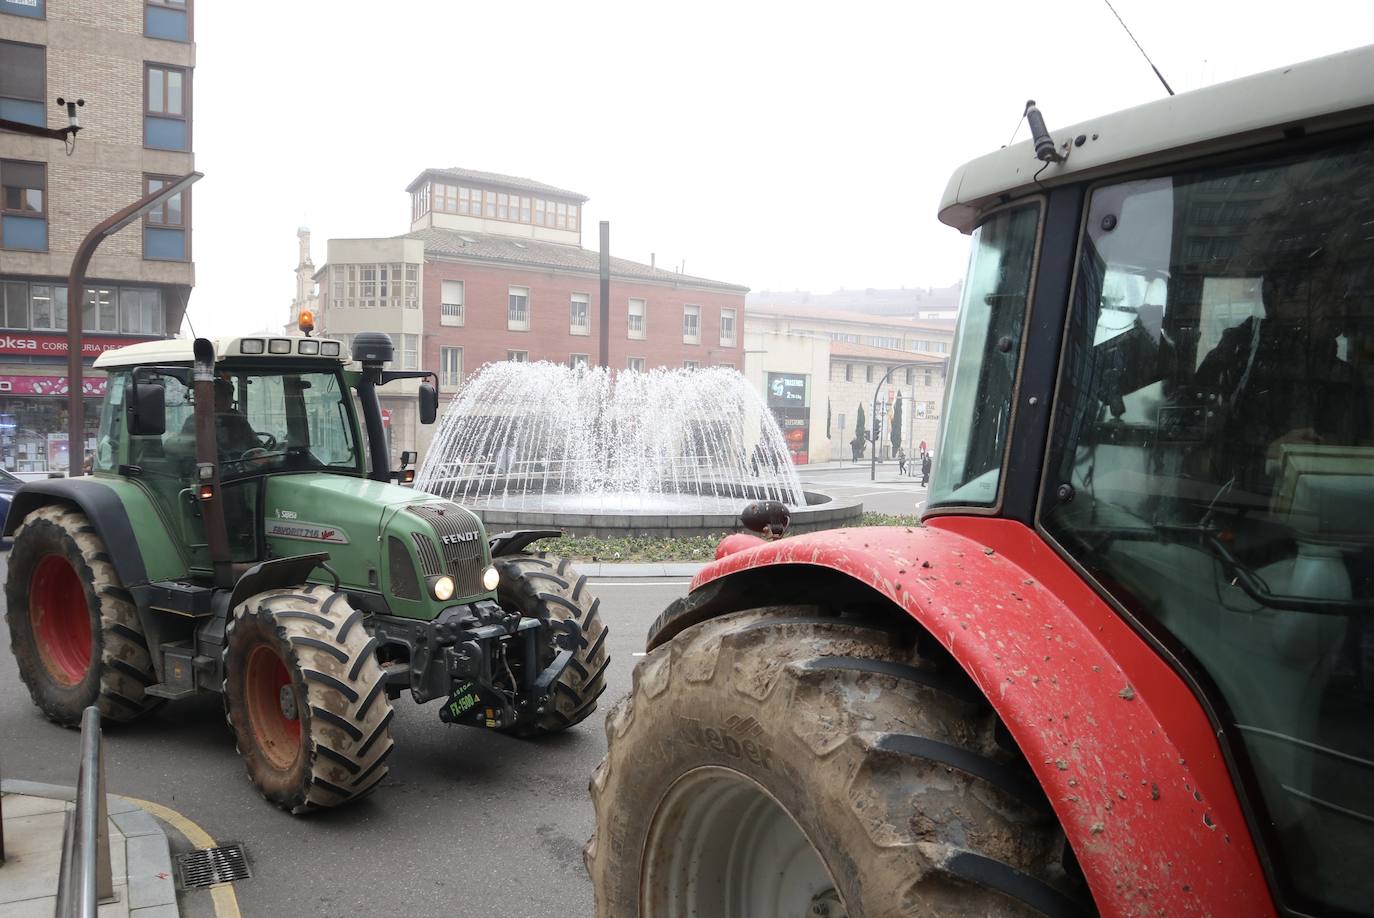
(275, 574)
(1121, 745)
(101, 504)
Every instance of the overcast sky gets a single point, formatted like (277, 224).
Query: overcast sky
(777, 145)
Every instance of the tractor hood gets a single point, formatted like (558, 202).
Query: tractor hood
(381, 538)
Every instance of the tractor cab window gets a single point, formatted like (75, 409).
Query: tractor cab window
(983, 370)
(112, 424)
(273, 421)
(1212, 466)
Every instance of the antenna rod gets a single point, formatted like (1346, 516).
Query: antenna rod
(1167, 87)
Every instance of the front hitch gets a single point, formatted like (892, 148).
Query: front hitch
(476, 654)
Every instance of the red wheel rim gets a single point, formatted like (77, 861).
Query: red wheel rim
(278, 736)
(60, 619)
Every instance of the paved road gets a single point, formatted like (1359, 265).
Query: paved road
(890, 493)
(468, 823)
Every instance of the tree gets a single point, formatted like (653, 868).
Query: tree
(897, 423)
(860, 432)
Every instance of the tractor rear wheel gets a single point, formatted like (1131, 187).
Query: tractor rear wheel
(306, 698)
(539, 586)
(74, 629)
(782, 762)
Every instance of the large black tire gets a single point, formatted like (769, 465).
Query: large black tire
(550, 588)
(886, 759)
(306, 698)
(74, 629)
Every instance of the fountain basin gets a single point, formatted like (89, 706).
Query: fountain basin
(576, 519)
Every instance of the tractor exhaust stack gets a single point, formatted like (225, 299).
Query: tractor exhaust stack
(207, 464)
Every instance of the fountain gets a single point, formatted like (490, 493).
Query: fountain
(669, 452)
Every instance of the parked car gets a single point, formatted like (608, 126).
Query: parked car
(9, 483)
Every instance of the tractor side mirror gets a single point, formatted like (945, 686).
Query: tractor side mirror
(429, 403)
(148, 410)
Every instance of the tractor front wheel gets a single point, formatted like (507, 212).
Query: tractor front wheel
(306, 698)
(540, 586)
(784, 762)
(73, 627)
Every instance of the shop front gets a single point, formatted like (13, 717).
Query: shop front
(787, 399)
(33, 399)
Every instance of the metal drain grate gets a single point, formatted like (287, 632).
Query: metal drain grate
(208, 866)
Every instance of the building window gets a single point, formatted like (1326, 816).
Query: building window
(450, 367)
(578, 361)
(410, 352)
(166, 19)
(101, 312)
(518, 309)
(909, 375)
(14, 304)
(489, 197)
(849, 372)
(868, 373)
(928, 380)
(691, 324)
(579, 315)
(637, 318)
(518, 356)
(23, 81)
(636, 364)
(48, 306)
(446, 198)
(140, 311)
(451, 303)
(166, 107)
(538, 211)
(690, 364)
(727, 328)
(164, 227)
(34, 9)
(410, 293)
(23, 206)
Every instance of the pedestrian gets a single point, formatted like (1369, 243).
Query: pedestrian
(901, 461)
(925, 470)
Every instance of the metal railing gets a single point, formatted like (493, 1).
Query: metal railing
(84, 880)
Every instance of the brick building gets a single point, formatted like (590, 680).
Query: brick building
(132, 61)
(836, 358)
(493, 269)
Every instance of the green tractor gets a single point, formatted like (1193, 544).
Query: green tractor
(240, 533)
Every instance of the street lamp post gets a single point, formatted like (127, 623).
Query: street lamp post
(76, 302)
(873, 462)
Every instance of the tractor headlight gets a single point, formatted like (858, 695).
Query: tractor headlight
(442, 588)
(490, 578)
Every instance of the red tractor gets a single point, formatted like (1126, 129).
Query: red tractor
(1126, 665)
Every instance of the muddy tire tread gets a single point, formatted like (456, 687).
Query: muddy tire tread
(346, 722)
(126, 666)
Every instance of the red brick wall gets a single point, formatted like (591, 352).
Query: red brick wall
(485, 338)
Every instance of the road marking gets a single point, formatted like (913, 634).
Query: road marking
(226, 903)
(645, 582)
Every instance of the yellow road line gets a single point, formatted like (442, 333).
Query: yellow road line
(226, 903)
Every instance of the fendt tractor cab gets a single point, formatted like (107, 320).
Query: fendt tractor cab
(242, 534)
(1127, 664)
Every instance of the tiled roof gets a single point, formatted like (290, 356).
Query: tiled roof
(838, 315)
(867, 352)
(514, 182)
(551, 255)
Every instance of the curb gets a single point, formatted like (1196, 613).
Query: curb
(637, 571)
(148, 856)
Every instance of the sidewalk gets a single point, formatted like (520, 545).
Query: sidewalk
(631, 570)
(140, 860)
